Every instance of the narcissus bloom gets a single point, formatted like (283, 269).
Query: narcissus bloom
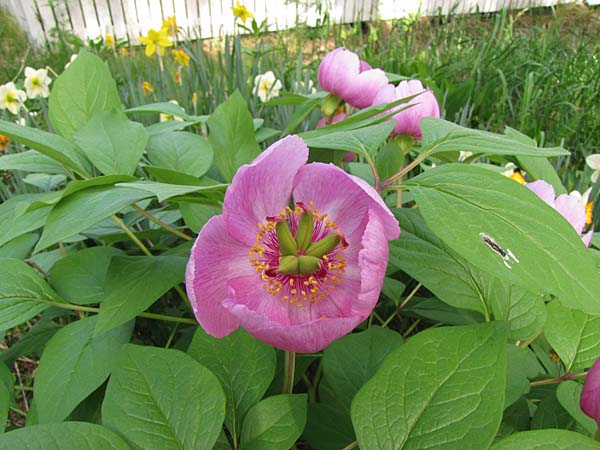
(298, 256)
(147, 88)
(156, 41)
(590, 396)
(343, 74)
(11, 98)
(593, 161)
(181, 57)
(36, 82)
(242, 12)
(170, 24)
(109, 41)
(423, 105)
(266, 86)
(573, 207)
(163, 117)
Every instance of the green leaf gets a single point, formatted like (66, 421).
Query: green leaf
(181, 151)
(30, 161)
(23, 293)
(364, 141)
(275, 423)
(133, 283)
(550, 414)
(73, 365)
(164, 191)
(244, 366)
(85, 87)
(20, 247)
(172, 176)
(111, 142)
(574, 335)
(31, 343)
(443, 389)
(4, 406)
(351, 361)
(84, 209)
(169, 108)
(49, 144)
(80, 277)
(568, 394)
(159, 398)
(44, 181)
(546, 440)
(522, 367)
(389, 160)
(62, 436)
(7, 379)
(14, 222)
(464, 204)
(231, 135)
(442, 136)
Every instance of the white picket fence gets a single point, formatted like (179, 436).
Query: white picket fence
(129, 19)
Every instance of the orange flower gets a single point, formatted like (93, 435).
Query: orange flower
(177, 77)
(147, 88)
(4, 140)
(588, 213)
(518, 177)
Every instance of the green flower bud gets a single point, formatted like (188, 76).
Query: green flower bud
(287, 243)
(305, 231)
(330, 104)
(320, 248)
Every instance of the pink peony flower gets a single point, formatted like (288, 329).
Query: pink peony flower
(295, 277)
(343, 74)
(571, 206)
(590, 396)
(424, 105)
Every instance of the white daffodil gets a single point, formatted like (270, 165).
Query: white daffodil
(464, 155)
(266, 86)
(165, 117)
(302, 88)
(73, 56)
(36, 82)
(11, 98)
(594, 162)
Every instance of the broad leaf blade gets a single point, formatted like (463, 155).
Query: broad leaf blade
(546, 440)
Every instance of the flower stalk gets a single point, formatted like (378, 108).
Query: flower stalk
(289, 366)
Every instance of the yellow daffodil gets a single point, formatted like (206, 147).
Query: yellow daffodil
(36, 82)
(177, 76)
(11, 98)
(181, 57)
(242, 12)
(156, 41)
(124, 51)
(147, 88)
(194, 98)
(4, 140)
(109, 41)
(170, 24)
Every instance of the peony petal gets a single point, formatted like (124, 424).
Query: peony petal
(215, 258)
(262, 188)
(363, 89)
(337, 71)
(587, 238)
(572, 208)
(543, 190)
(324, 183)
(590, 396)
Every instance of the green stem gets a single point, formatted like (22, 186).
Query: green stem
(147, 315)
(160, 223)
(351, 446)
(289, 365)
(402, 305)
(132, 236)
(565, 377)
(411, 328)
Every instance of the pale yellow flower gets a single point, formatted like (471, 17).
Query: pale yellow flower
(164, 117)
(593, 161)
(156, 41)
(124, 51)
(147, 88)
(36, 82)
(242, 12)
(170, 24)
(181, 57)
(11, 98)
(109, 41)
(266, 86)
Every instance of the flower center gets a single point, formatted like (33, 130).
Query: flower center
(299, 255)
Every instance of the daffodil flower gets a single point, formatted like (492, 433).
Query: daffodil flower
(147, 88)
(109, 41)
(11, 98)
(181, 57)
(36, 82)
(242, 12)
(156, 41)
(593, 161)
(170, 24)
(266, 86)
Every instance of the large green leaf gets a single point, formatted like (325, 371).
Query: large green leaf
(20, 247)
(574, 335)
(568, 394)
(49, 144)
(546, 440)
(231, 135)
(15, 222)
(522, 367)
(164, 191)
(169, 108)
(244, 366)
(84, 209)
(85, 87)
(112, 143)
(473, 210)
(31, 343)
(275, 423)
(73, 365)
(133, 283)
(183, 152)
(442, 136)
(80, 277)
(62, 436)
(23, 293)
(163, 399)
(443, 389)
(30, 161)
